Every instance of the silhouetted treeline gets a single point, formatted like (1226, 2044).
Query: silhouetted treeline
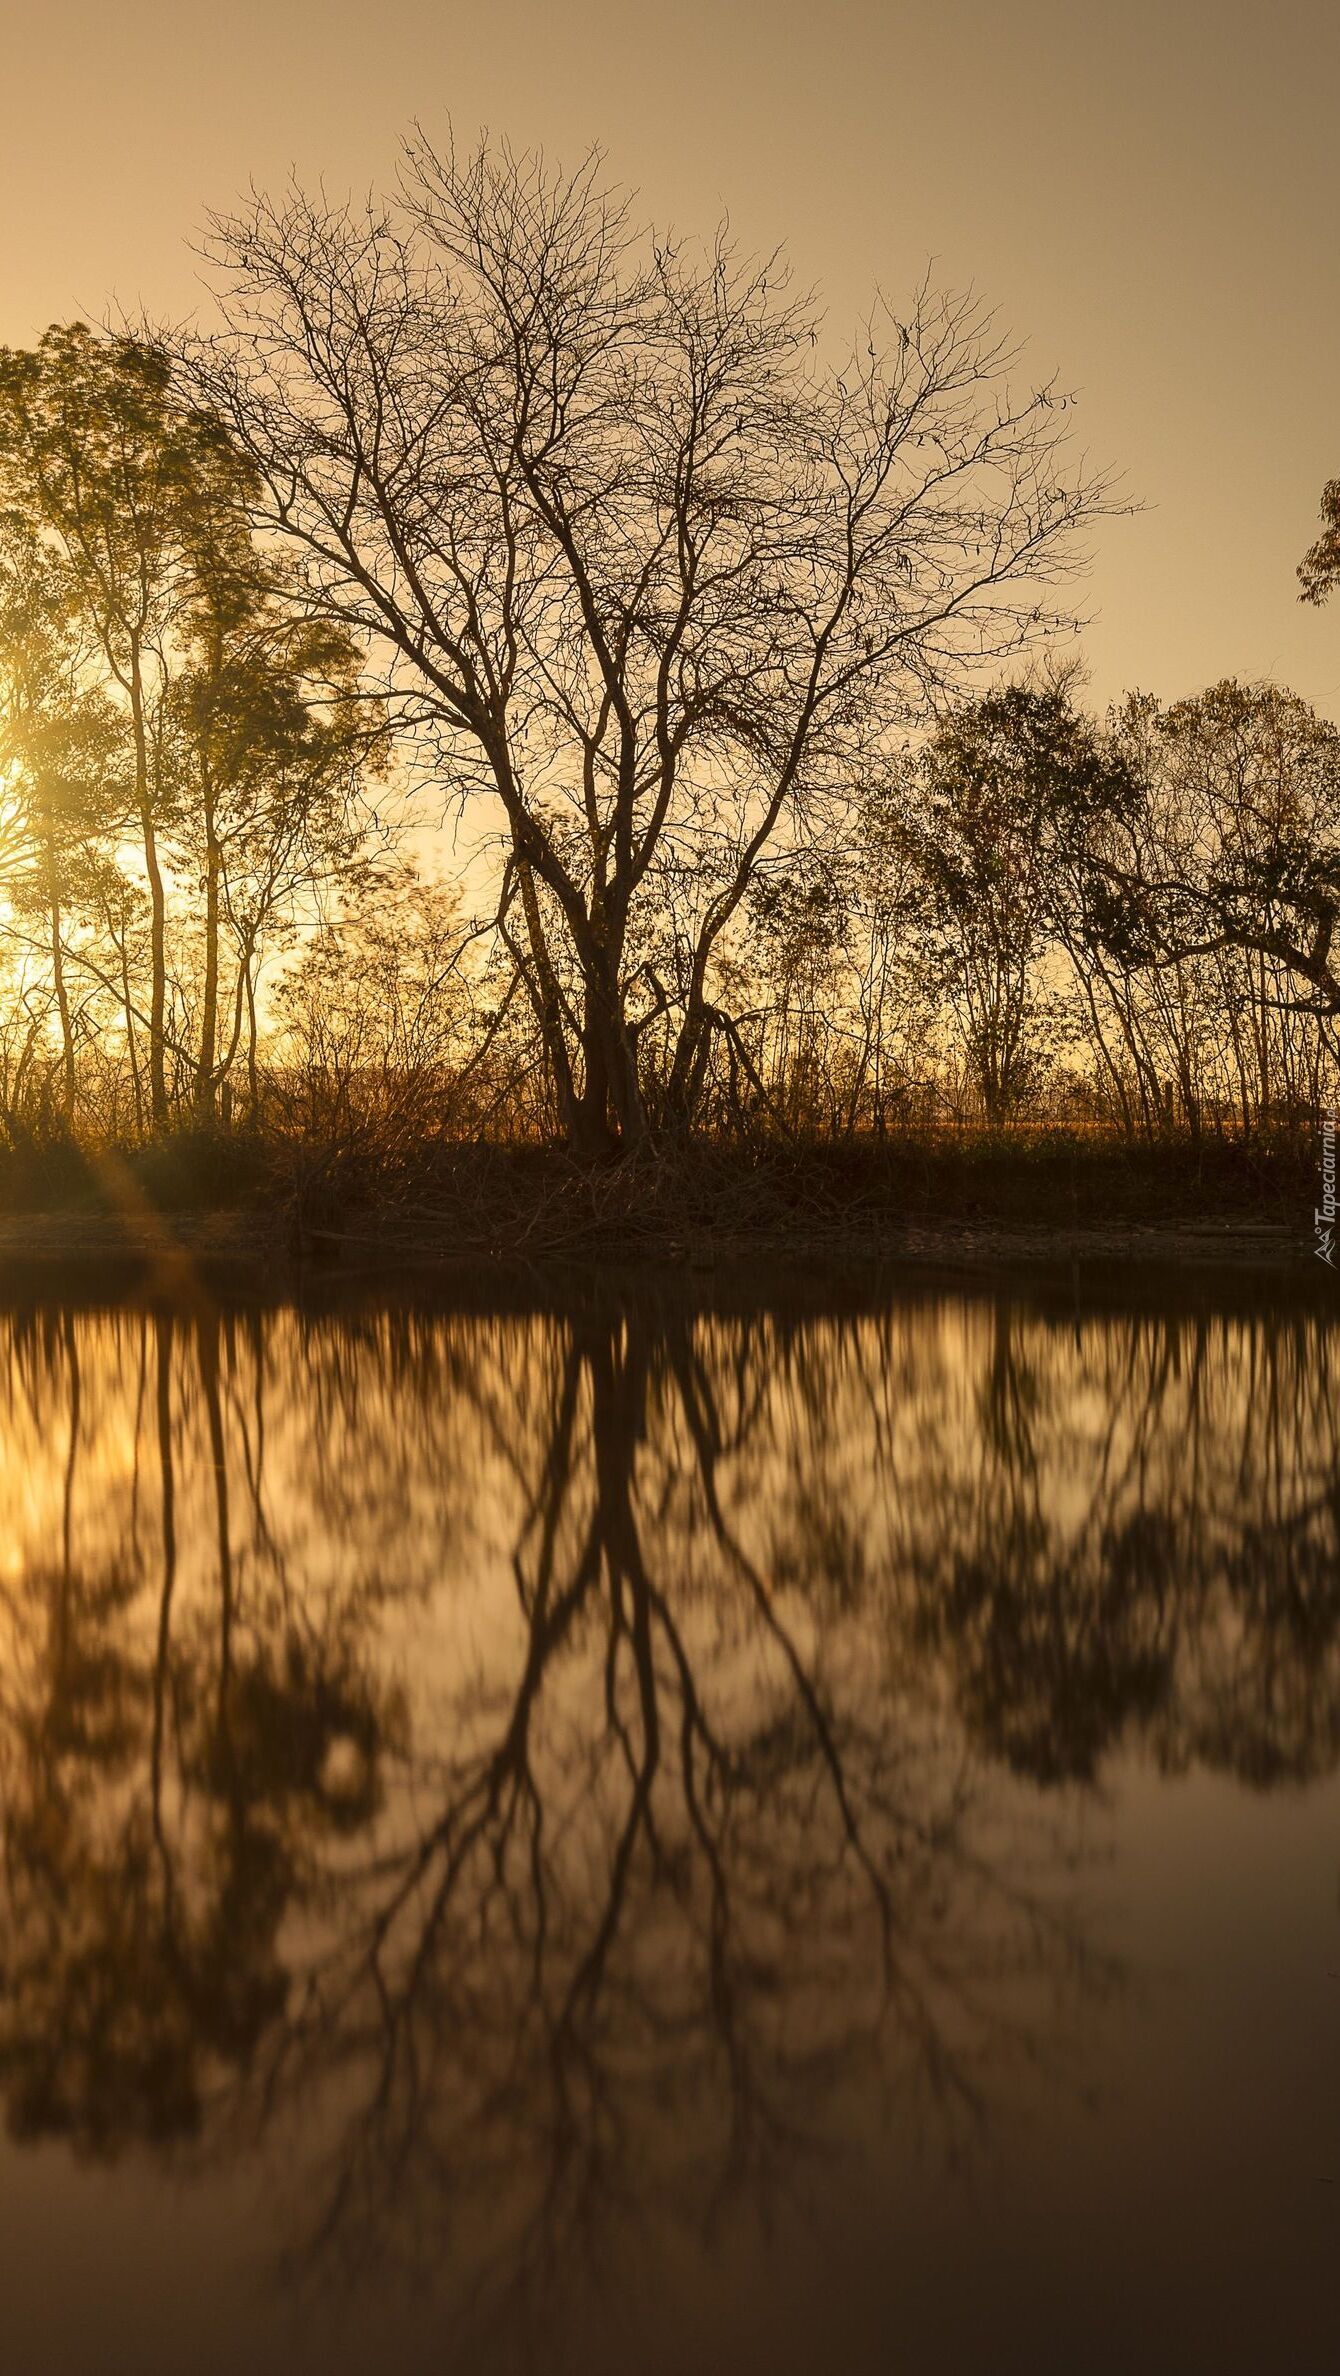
(729, 663)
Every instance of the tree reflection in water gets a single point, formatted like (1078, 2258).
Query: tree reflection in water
(566, 1772)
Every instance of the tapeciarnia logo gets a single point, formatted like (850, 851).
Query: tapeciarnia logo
(1323, 1218)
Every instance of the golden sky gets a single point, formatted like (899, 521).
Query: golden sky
(1150, 193)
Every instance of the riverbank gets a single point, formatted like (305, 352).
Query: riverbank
(952, 1204)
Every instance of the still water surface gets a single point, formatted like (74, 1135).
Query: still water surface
(650, 1841)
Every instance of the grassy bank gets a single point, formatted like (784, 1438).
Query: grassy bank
(1048, 1191)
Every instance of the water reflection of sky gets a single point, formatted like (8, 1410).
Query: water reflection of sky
(630, 1830)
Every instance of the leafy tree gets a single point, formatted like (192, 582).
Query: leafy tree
(270, 737)
(1319, 568)
(1007, 787)
(57, 764)
(246, 735)
(118, 478)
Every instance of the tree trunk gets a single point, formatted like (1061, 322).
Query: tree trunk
(132, 1050)
(611, 1114)
(205, 1083)
(542, 988)
(253, 1070)
(58, 976)
(158, 1104)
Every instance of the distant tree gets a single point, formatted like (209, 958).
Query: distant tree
(1236, 846)
(1008, 786)
(269, 737)
(645, 569)
(370, 1023)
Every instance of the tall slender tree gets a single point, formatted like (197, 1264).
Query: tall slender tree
(58, 767)
(245, 729)
(117, 475)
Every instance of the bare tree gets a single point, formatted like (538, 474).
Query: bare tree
(1233, 851)
(645, 568)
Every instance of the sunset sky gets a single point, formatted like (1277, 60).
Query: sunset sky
(1149, 193)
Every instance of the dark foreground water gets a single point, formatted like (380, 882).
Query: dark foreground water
(656, 1842)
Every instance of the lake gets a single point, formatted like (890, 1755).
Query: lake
(635, 1832)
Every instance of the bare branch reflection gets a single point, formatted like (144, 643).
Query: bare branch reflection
(563, 1777)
